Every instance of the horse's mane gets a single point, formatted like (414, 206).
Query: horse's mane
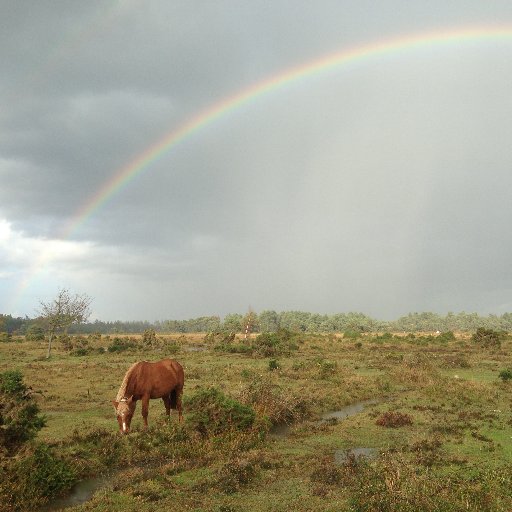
(122, 389)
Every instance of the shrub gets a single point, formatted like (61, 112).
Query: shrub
(326, 368)
(66, 340)
(171, 347)
(11, 383)
(233, 348)
(445, 337)
(273, 402)
(273, 364)
(219, 337)
(35, 333)
(149, 338)
(387, 336)
(212, 412)
(455, 361)
(269, 344)
(488, 337)
(43, 474)
(85, 351)
(5, 337)
(121, 344)
(235, 474)
(505, 375)
(394, 419)
(19, 414)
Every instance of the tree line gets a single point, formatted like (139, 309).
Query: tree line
(271, 321)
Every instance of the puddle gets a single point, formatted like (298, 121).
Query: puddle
(349, 410)
(79, 493)
(341, 456)
(283, 429)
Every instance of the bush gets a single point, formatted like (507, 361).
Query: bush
(505, 375)
(212, 412)
(235, 474)
(19, 414)
(219, 337)
(273, 364)
(41, 475)
(47, 473)
(326, 368)
(5, 337)
(270, 344)
(488, 337)
(445, 337)
(11, 383)
(149, 338)
(171, 347)
(394, 419)
(273, 402)
(35, 333)
(121, 344)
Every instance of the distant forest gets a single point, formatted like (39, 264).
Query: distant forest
(270, 321)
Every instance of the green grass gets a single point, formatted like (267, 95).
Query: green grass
(461, 427)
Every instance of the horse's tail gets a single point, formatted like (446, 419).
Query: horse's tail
(174, 399)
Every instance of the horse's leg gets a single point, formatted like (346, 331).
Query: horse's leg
(167, 403)
(179, 392)
(145, 409)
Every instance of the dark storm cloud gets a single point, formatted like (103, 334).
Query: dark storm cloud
(380, 187)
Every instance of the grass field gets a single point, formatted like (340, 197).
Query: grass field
(435, 413)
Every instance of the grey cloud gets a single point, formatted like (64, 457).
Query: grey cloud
(379, 186)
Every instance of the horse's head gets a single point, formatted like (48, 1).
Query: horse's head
(124, 412)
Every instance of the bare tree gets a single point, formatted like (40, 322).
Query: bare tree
(62, 312)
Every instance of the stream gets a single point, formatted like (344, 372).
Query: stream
(80, 493)
(340, 456)
(83, 491)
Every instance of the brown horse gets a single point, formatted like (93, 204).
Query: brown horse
(163, 379)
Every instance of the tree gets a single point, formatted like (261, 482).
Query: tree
(62, 312)
(233, 322)
(268, 321)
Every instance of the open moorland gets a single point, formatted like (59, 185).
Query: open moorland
(278, 422)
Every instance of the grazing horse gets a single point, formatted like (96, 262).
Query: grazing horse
(143, 380)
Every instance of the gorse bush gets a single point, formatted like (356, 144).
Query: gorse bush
(11, 383)
(19, 414)
(219, 337)
(149, 338)
(274, 364)
(32, 479)
(5, 337)
(122, 344)
(445, 337)
(273, 402)
(43, 474)
(35, 333)
(505, 375)
(394, 419)
(488, 337)
(236, 473)
(212, 412)
(269, 344)
(326, 368)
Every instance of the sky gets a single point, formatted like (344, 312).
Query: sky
(175, 159)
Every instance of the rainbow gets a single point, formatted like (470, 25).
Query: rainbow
(123, 176)
(171, 139)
